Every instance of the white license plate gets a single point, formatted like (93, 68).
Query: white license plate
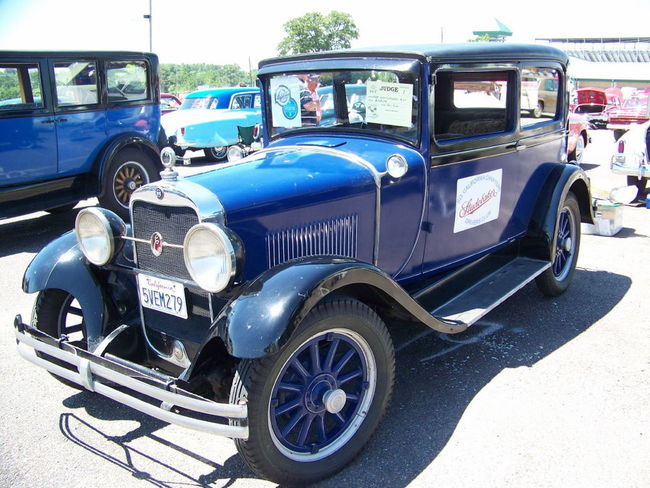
(162, 295)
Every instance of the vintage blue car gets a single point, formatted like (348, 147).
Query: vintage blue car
(76, 125)
(208, 120)
(255, 301)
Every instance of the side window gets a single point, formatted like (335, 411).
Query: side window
(540, 88)
(127, 80)
(241, 101)
(20, 87)
(76, 83)
(469, 104)
(257, 102)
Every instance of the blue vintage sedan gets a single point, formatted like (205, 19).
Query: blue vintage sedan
(208, 120)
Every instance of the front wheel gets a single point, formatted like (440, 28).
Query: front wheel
(128, 171)
(58, 314)
(313, 405)
(555, 280)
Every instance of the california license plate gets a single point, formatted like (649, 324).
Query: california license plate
(162, 295)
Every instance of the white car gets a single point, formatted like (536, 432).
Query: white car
(631, 157)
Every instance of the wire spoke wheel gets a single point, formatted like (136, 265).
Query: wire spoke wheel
(321, 395)
(130, 176)
(555, 280)
(313, 405)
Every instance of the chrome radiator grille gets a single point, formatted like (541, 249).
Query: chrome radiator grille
(172, 223)
(333, 237)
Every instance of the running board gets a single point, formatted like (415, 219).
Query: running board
(473, 303)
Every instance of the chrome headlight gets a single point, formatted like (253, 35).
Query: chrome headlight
(209, 256)
(99, 234)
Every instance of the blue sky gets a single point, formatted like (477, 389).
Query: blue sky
(220, 32)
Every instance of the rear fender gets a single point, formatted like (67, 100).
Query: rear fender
(562, 179)
(61, 265)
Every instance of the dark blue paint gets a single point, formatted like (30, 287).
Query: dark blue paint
(299, 418)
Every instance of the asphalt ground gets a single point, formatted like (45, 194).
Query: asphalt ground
(540, 393)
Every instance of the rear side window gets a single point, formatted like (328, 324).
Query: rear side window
(76, 83)
(540, 88)
(241, 101)
(127, 80)
(469, 104)
(20, 87)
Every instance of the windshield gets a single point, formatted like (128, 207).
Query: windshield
(199, 102)
(384, 102)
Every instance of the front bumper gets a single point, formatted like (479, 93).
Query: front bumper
(146, 390)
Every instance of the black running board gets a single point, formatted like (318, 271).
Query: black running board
(476, 301)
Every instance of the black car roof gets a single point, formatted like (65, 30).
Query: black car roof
(479, 51)
(63, 54)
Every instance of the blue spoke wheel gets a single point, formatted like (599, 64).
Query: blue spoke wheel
(566, 244)
(313, 406)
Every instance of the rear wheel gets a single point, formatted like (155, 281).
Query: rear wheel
(216, 153)
(577, 153)
(58, 314)
(555, 280)
(128, 171)
(313, 405)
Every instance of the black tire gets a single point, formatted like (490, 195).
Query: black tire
(578, 152)
(640, 184)
(216, 153)
(128, 171)
(555, 280)
(56, 313)
(307, 425)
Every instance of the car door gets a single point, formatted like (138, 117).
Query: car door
(79, 115)
(474, 174)
(28, 146)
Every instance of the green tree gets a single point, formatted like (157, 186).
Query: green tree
(183, 78)
(315, 32)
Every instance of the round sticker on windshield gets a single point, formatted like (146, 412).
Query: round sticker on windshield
(290, 109)
(282, 95)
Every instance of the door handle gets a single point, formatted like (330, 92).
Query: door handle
(61, 120)
(48, 121)
(520, 147)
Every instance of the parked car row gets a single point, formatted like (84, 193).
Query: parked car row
(612, 108)
(255, 301)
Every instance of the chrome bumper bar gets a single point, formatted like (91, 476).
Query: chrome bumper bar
(89, 368)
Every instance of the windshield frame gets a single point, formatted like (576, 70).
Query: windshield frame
(406, 69)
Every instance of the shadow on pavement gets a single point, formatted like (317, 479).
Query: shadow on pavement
(438, 376)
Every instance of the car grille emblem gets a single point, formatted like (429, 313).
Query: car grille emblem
(160, 194)
(156, 243)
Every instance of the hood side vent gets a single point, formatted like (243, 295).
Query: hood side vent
(333, 237)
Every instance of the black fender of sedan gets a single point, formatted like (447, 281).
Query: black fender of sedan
(559, 181)
(62, 265)
(262, 317)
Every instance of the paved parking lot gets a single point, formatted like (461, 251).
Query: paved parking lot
(540, 393)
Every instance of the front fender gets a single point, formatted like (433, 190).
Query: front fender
(265, 313)
(62, 265)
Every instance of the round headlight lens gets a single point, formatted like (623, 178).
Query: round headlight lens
(209, 257)
(168, 157)
(94, 235)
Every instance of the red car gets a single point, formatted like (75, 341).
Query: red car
(595, 103)
(168, 103)
(578, 136)
(633, 111)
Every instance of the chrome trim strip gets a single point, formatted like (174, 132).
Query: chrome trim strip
(88, 371)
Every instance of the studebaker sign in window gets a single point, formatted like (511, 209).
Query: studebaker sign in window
(256, 301)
